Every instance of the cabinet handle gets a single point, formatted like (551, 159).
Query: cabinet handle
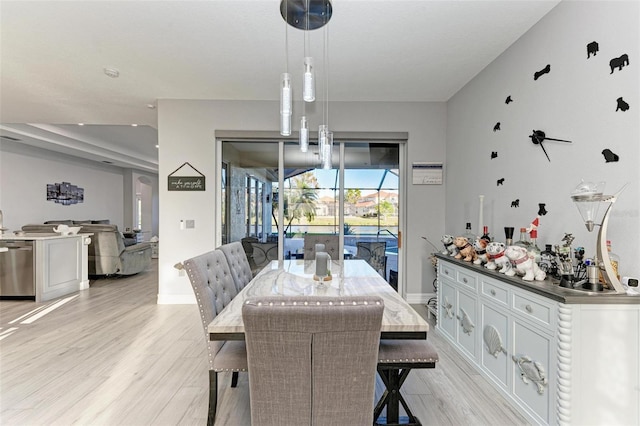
(528, 308)
(493, 292)
(464, 280)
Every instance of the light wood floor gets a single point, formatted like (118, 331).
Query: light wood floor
(112, 356)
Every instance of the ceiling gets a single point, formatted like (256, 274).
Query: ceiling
(53, 55)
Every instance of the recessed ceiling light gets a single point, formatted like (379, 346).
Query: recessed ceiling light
(134, 125)
(112, 72)
(151, 106)
(80, 124)
(157, 146)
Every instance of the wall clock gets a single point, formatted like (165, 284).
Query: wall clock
(538, 136)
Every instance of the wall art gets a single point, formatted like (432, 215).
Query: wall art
(515, 203)
(64, 193)
(592, 48)
(494, 154)
(508, 100)
(621, 105)
(186, 183)
(496, 127)
(500, 182)
(543, 71)
(610, 156)
(619, 62)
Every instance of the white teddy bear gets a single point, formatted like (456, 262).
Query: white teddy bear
(524, 264)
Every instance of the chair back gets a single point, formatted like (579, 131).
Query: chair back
(374, 253)
(238, 264)
(264, 253)
(312, 361)
(331, 245)
(213, 287)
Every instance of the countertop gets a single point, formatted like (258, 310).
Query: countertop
(550, 288)
(39, 236)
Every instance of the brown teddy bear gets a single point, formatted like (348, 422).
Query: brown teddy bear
(466, 251)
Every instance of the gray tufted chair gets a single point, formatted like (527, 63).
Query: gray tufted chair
(374, 252)
(312, 361)
(238, 263)
(214, 288)
(331, 245)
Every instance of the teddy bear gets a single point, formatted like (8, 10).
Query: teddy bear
(497, 259)
(449, 247)
(465, 249)
(480, 246)
(523, 264)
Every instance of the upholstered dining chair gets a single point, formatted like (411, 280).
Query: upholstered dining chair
(238, 264)
(374, 253)
(331, 245)
(312, 361)
(214, 288)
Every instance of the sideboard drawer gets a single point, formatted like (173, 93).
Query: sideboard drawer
(448, 271)
(467, 279)
(533, 309)
(495, 292)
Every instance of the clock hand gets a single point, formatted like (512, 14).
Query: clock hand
(545, 151)
(557, 140)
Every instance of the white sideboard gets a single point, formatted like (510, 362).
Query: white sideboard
(560, 357)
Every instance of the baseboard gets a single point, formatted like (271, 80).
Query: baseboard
(419, 298)
(176, 299)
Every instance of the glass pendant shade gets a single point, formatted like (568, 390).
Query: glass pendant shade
(309, 83)
(322, 139)
(304, 134)
(327, 151)
(587, 197)
(285, 104)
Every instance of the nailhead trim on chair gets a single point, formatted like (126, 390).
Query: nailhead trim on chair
(306, 303)
(409, 360)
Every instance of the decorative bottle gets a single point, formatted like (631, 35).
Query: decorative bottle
(485, 233)
(468, 234)
(533, 246)
(615, 262)
(522, 242)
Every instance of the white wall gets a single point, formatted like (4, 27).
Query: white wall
(25, 172)
(575, 101)
(186, 133)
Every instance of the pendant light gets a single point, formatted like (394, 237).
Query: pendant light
(306, 15)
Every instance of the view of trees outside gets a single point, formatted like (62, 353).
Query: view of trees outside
(312, 207)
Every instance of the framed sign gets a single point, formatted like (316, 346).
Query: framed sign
(186, 182)
(425, 173)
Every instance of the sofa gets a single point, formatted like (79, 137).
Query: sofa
(107, 252)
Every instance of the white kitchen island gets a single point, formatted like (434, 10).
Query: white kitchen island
(60, 264)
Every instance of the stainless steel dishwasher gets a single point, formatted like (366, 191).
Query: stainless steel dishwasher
(17, 279)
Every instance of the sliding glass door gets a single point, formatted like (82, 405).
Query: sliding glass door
(354, 206)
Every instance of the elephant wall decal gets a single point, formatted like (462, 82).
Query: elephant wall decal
(619, 63)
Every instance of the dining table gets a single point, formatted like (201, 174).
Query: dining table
(349, 277)
(295, 277)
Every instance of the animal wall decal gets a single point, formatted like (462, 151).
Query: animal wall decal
(500, 182)
(542, 72)
(494, 154)
(592, 48)
(496, 127)
(610, 156)
(515, 203)
(541, 209)
(621, 105)
(508, 100)
(619, 63)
